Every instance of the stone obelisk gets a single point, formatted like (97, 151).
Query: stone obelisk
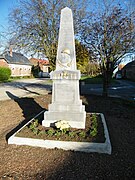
(66, 103)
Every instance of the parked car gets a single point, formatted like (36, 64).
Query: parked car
(44, 74)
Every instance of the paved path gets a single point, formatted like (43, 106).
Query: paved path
(32, 87)
(24, 88)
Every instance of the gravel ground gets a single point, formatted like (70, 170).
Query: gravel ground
(24, 162)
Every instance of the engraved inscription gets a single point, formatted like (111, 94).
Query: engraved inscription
(64, 92)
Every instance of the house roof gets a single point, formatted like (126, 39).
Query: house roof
(43, 62)
(40, 61)
(16, 58)
(129, 65)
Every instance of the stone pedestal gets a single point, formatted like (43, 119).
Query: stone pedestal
(66, 103)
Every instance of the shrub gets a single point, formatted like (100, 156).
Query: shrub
(35, 70)
(93, 69)
(5, 73)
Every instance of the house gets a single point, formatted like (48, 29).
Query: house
(17, 62)
(128, 71)
(42, 63)
(127, 58)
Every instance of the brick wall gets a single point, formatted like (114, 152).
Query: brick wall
(3, 63)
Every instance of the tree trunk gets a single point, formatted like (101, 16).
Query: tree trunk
(107, 76)
(105, 84)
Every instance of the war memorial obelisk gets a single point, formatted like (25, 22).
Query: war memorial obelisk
(66, 103)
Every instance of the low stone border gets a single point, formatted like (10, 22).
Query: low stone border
(66, 145)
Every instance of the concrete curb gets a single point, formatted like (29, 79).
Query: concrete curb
(65, 145)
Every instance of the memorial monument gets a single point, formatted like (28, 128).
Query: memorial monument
(66, 104)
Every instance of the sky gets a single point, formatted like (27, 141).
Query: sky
(7, 5)
(5, 8)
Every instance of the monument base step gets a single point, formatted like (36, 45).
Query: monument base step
(55, 107)
(75, 119)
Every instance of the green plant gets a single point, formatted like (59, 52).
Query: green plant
(50, 132)
(63, 129)
(58, 133)
(71, 134)
(36, 131)
(34, 126)
(93, 131)
(5, 73)
(82, 134)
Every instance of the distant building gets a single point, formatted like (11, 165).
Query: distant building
(19, 64)
(42, 63)
(127, 58)
(128, 71)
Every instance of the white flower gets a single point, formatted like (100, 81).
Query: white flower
(58, 124)
(62, 124)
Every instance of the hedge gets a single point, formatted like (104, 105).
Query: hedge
(5, 73)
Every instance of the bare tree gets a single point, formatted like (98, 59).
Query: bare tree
(109, 37)
(34, 24)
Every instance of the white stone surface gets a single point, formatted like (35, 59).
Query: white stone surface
(66, 145)
(66, 40)
(66, 103)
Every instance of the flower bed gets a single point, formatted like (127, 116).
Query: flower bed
(93, 132)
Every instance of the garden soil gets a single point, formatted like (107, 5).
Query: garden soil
(33, 163)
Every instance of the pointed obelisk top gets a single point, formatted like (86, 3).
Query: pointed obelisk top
(66, 56)
(66, 8)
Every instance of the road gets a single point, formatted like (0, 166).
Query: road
(24, 88)
(122, 89)
(33, 87)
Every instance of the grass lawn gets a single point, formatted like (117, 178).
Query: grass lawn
(92, 80)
